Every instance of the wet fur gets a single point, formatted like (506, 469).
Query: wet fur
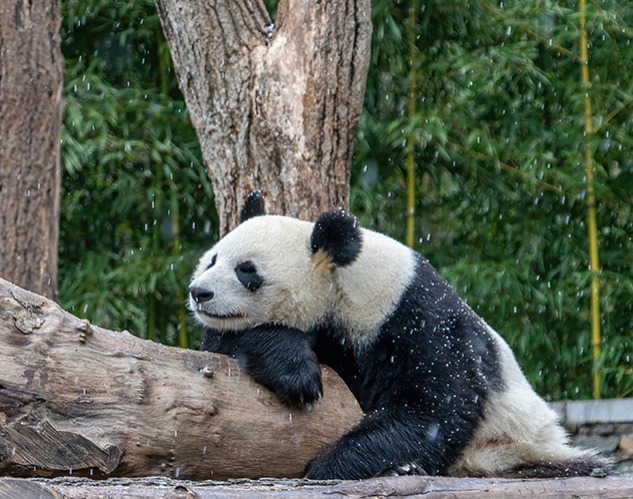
(441, 391)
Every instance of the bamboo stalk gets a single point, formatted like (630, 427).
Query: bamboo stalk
(591, 206)
(411, 139)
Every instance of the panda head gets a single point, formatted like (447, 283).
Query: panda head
(273, 269)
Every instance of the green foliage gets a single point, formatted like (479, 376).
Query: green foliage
(501, 208)
(137, 207)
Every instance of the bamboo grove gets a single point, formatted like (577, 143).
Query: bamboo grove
(475, 146)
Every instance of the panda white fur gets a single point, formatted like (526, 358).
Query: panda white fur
(441, 391)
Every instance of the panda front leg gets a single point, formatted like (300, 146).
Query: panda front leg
(280, 358)
(386, 442)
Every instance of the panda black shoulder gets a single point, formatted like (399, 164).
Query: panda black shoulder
(445, 312)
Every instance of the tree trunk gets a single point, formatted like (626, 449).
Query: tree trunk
(31, 81)
(274, 107)
(81, 400)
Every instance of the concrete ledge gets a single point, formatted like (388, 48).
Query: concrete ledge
(579, 412)
(602, 425)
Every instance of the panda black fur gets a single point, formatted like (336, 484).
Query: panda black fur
(441, 391)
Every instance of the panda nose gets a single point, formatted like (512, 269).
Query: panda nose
(200, 295)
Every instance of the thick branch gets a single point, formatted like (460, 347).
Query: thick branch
(75, 398)
(273, 108)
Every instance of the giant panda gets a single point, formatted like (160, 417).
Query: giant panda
(441, 391)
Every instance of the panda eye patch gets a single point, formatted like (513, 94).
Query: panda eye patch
(247, 268)
(213, 259)
(246, 273)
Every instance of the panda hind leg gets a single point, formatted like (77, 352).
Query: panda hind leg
(385, 443)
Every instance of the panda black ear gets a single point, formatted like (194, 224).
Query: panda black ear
(338, 235)
(253, 206)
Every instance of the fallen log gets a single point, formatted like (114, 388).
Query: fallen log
(409, 486)
(77, 399)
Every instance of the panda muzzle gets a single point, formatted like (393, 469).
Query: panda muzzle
(200, 295)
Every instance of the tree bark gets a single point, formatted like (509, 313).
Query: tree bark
(274, 107)
(77, 399)
(31, 81)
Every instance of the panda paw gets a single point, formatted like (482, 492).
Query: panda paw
(296, 381)
(322, 468)
(280, 358)
(300, 388)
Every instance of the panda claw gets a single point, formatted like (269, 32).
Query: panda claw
(299, 396)
(405, 469)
